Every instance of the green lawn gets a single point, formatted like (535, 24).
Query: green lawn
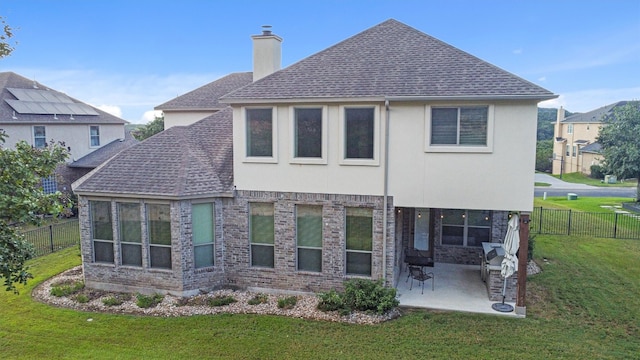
(580, 178)
(585, 304)
(592, 204)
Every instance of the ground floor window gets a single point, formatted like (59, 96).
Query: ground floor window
(359, 241)
(309, 237)
(101, 231)
(261, 234)
(203, 234)
(159, 228)
(465, 227)
(129, 226)
(49, 184)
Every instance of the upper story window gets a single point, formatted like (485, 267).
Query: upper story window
(309, 135)
(94, 134)
(570, 129)
(260, 129)
(359, 133)
(39, 136)
(459, 129)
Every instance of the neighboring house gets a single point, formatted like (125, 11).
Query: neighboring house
(320, 172)
(32, 112)
(575, 147)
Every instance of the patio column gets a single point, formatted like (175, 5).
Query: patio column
(521, 308)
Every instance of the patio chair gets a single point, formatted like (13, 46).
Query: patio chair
(418, 274)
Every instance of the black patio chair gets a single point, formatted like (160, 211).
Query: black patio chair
(418, 274)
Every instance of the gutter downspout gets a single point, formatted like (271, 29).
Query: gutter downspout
(385, 201)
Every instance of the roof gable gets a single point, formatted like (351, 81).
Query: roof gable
(206, 96)
(594, 116)
(178, 162)
(389, 60)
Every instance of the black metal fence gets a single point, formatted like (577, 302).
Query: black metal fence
(567, 222)
(54, 237)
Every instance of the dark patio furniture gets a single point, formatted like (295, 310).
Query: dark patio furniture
(416, 273)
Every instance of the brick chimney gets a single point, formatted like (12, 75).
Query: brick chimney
(266, 53)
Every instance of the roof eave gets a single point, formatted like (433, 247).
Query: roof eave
(189, 109)
(238, 101)
(155, 196)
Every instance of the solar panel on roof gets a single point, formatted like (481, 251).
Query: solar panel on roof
(46, 102)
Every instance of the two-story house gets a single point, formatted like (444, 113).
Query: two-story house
(575, 147)
(37, 114)
(319, 172)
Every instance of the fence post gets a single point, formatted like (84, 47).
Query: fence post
(540, 226)
(51, 236)
(615, 227)
(569, 227)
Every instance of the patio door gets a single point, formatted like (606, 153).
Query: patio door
(423, 231)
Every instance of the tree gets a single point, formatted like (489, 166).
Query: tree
(23, 201)
(544, 152)
(5, 35)
(151, 128)
(620, 142)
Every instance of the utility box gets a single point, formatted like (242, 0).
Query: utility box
(572, 196)
(610, 179)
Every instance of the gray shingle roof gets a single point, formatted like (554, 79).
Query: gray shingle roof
(99, 156)
(595, 148)
(180, 162)
(390, 59)
(206, 97)
(12, 80)
(594, 116)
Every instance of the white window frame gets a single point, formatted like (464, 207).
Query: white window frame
(212, 243)
(569, 128)
(33, 131)
(459, 148)
(347, 250)
(273, 159)
(314, 248)
(343, 137)
(95, 239)
(91, 136)
(151, 245)
(292, 131)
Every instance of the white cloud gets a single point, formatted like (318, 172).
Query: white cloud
(542, 79)
(111, 109)
(587, 100)
(517, 51)
(150, 116)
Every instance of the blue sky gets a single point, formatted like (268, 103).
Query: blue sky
(127, 56)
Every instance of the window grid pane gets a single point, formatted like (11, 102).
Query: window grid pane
(359, 132)
(308, 133)
(473, 126)
(202, 220)
(39, 136)
(309, 237)
(444, 126)
(130, 233)
(101, 226)
(95, 135)
(203, 255)
(359, 241)
(261, 232)
(259, 132)
(159, 224)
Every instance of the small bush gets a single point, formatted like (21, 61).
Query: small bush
(361, 295)
(258, 299)
(287, 302)
(597, 172)
(221, 300)
(145, 302)
(331, 301)
(116, 300)
(532, 245)
(66, 289)
(82, 298)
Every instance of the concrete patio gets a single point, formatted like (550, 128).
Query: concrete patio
(457, 288)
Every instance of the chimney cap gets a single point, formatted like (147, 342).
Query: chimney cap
(266, 29)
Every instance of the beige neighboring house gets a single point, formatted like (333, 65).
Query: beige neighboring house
(327, 170)
(575, 147)
(37, 114)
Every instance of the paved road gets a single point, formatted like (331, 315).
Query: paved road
(562, 188)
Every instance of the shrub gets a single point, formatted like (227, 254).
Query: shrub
(82, 298)
(116, 300)
(532, 245)
(66, 289)
(369, 296)
(597, 172)
(145, 302)
(331, 301)
(258, 299)
(221, 300)
(360, 295)
(287, 302)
